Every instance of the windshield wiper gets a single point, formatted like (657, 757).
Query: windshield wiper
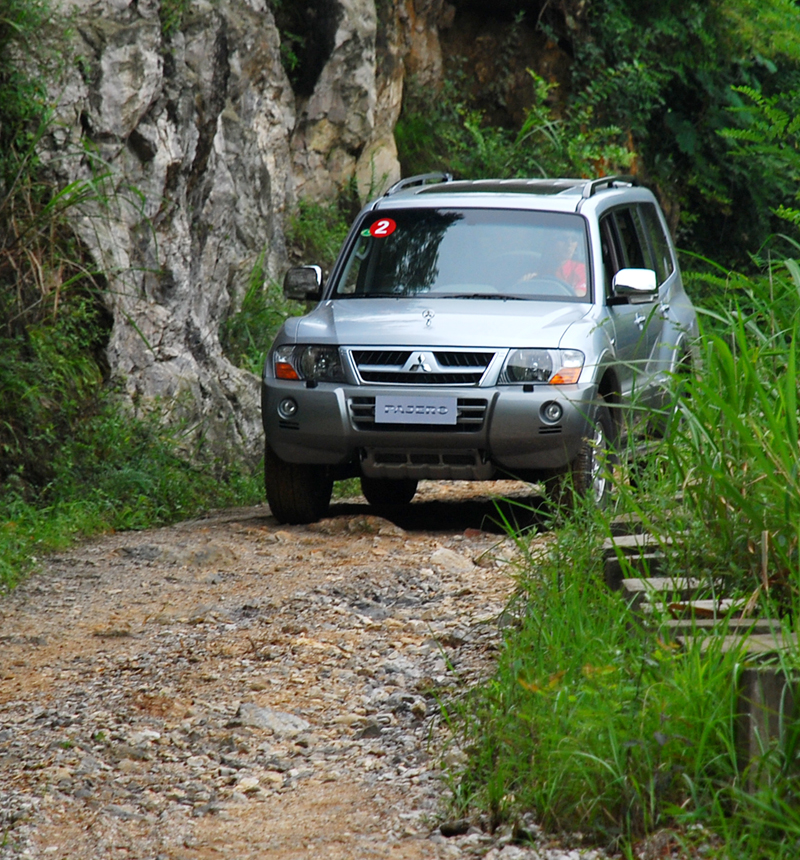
(501, 296)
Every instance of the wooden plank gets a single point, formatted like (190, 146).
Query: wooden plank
(672, 627)
(633, 543)
(766, 708)
(662, 584)
(660, 589)
(646, 564)
(706, 608)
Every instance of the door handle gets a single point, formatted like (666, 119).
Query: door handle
(640, 321)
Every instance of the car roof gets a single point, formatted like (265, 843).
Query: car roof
(563, 194)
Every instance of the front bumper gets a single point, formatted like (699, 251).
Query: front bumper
(498, 429)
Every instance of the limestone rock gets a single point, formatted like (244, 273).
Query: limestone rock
(195, 148)
(190, 136)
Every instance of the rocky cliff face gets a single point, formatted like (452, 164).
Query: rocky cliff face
(203, 147)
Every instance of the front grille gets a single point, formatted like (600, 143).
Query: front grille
(393, 458)
(464, 359)
(399, 378)
(421, 367)
(380, 356)
(470, 418)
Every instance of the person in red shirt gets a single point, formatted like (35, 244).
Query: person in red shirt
(571, 270)
(564, 264)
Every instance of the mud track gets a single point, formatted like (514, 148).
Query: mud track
(230, 687)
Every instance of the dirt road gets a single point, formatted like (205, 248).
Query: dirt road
(233, 688)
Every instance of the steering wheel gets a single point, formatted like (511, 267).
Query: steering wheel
(547, 285)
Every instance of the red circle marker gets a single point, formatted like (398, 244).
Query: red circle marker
(383, 227)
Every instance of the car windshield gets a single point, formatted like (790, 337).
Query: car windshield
(468, 253)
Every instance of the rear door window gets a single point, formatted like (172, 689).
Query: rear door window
(659, 244)
(634, 245)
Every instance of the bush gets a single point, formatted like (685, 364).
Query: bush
(72, 460)
(467, 146)
(591, 723)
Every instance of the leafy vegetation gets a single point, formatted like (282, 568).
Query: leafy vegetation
(72, 459)
(670, 75)
(171, 14)
(315, 234)
(650, 88)
(769, 136)
(545, 145)
(246, 335)
(591, 723)
(601, 726)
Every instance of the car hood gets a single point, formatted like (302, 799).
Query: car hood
(441, 322)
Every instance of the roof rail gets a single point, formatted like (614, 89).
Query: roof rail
(421, 179)
(591, 188)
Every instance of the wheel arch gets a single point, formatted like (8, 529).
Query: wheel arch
(609, 389)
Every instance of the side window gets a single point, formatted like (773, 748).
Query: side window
(352, 280)
(612, 253)
(662, 257)
(635, 251)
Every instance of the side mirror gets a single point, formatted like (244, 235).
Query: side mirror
(303, 283)
(635, 282)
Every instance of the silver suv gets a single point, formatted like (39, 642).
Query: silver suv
(474, 330)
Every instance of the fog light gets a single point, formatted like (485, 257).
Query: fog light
(287, 408)
(552, 412)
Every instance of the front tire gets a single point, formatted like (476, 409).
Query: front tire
(388, 492)
(589, 475)
(591, 470)
(297, 493)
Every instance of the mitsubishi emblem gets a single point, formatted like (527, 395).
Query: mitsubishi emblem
(420, 364)
(428, 316)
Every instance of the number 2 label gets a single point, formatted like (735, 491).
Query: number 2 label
(382, 228)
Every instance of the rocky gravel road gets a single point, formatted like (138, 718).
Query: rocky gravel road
(233, 688)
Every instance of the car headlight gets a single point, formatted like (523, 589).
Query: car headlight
(317, 363)
(551, 366)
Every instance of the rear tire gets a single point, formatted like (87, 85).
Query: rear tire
(297, 493)
(388, 492)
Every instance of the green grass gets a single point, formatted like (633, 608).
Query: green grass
(591, 722)
(450, 135)
(117, 473)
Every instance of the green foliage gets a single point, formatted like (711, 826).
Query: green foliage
(317, 230)
(736, 451)
(768, 29)
(769, 138)
(315, 234)
(667, 72)
(590, 723)
(467, 146)
(246, 335)
(22, 96)
(171, 13)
